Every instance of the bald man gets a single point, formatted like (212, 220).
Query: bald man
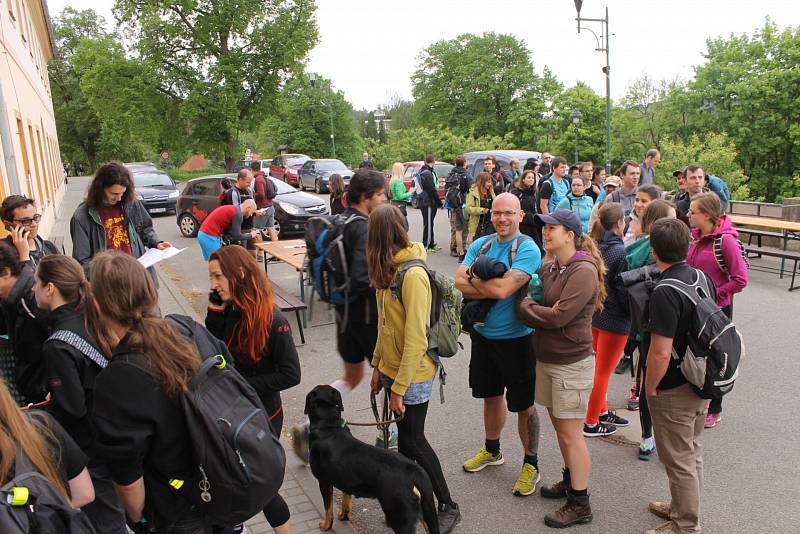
(229, 220)
(501, 362)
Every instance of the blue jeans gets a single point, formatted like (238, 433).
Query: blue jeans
(208, 244)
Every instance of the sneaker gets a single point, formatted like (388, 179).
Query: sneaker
(575, 511)
(300, 442)
(646, 449)
(482, 459)
(526, 483)
(392, 441)
(613, 419)
(666, 528)
(559, 489)
(600, 429)
(633, 402)
(623, 365)
(659, 509)
(449, 515)
(461, 258)
(711, 420)
(453, 253)
(434, 248)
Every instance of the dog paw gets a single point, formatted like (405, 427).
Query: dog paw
(344, 516)
(325, 524)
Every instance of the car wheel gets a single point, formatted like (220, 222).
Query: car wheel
(277, 226)
(317, 186)
(188, 225)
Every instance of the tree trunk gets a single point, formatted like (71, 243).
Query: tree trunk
(230, 152)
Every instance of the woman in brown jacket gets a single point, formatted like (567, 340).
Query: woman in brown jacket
(572, 290)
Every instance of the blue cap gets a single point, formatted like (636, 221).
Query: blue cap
(565, 218)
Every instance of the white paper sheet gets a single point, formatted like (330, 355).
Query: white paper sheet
(153, 255)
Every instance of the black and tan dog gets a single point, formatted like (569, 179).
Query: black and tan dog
(339, 460)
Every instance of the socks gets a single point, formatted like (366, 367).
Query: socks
(580, 493)
(492, 446)
(532, 459)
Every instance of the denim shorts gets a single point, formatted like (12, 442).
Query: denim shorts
(418, 393)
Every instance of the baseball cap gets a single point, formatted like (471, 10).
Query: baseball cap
(565, 218)
(613, 180)
(679, 172)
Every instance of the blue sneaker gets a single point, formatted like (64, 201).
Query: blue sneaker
(646, 449)
(598, 430)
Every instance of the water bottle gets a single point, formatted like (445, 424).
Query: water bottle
(535, 288)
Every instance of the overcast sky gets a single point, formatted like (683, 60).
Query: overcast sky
(369, 48)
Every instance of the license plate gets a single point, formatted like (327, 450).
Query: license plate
(158, 210)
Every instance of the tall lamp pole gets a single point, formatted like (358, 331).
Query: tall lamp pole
(602, 46)
(312, 77)
(576, 119)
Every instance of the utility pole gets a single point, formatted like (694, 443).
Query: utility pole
(602, 46)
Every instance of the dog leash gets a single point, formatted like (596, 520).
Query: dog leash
(382, 421)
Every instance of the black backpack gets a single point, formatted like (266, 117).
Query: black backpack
(715, 349)
(240, 462)
(31, 504)
(272, 189)
(454, 195)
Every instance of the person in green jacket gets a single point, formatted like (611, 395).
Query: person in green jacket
(479, 198)
(398, 194)
(639, 253)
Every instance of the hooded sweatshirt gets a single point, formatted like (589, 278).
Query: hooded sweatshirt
(638, 254)
(563, 334)
(401, 350)
(701, 256)
(580, 206)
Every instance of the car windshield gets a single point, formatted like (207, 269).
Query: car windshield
(299, 160)
(282, 187)
(151, 180)
(331, 165)
(442, 169)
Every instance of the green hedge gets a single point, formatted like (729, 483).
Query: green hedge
(181, 176)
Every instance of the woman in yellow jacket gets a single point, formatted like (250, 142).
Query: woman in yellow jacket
(479, 202)
(400, 359)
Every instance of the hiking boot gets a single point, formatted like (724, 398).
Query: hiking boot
(559, 489)
(666, 528)
(526, 482)
(453, 253)
(612, 418)
(598, 430)
(300, 442)
(449, 515)
(576, 511)
(623, 365)
(646, 449)
(461, 258)
(659, 509)
(482, 459)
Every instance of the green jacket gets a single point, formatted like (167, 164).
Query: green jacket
(398, 191)
(638, 254)
(474, 209)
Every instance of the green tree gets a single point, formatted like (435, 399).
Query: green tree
(78, 126)
(591, 131)
(530, 119)
(402, 113)
(471, 83)
(225, 59)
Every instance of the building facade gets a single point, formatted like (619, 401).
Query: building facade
(29, 152)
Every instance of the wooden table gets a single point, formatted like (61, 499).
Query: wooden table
(789, 229)
(292, 252)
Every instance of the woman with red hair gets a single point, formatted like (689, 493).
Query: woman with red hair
(242, 313)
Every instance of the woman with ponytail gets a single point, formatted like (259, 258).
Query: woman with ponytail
(242, 312)
(140, 429)
(611, 325)
(573, 290)
(72, 362)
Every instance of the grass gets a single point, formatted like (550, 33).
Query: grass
(181, 176)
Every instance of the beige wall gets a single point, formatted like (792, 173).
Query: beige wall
(26, 48)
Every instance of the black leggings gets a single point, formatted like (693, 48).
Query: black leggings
(412, 443)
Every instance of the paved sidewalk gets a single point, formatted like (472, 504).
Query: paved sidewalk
(300, 489)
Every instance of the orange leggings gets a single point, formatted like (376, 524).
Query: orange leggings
(608, 347)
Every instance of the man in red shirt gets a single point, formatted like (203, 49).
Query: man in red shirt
(226, 219)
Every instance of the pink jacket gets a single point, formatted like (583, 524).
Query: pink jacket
(701, 256)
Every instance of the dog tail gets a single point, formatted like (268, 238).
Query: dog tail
(423, 485)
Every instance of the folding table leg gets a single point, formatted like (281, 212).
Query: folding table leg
(785, 245)
(300, 326)
(303, 297)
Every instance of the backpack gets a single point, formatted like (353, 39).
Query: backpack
(272, 189)
(454, 197)
(240, 462)
(539, 192)
(327, 259)
(715, 348)
(718, 186)
(31, 504)
(721, 259)
(445, 320)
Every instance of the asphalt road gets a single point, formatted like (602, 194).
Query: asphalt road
(750, 480)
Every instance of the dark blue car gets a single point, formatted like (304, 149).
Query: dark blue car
(316, 173)
(156, 190)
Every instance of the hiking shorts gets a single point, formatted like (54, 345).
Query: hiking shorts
(458, 222)
(498, 366)
(565, 389)
(265, 221)
(357, 342)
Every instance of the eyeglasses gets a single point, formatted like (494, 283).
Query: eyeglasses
(503, 213)
(29, 221)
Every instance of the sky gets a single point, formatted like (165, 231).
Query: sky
(369, 48)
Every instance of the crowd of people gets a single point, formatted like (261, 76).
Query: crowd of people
(100, 373)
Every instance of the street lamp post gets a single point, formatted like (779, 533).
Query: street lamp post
(602, 46)
(312, 77)
(576, 119)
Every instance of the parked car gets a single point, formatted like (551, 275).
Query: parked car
(475, 159)
(317, 172)
(441, 168)
(156, 190)
(284, 167)
(246, 163)
(201, 195)
(140, 166)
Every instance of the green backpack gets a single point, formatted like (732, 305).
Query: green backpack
(445, 323)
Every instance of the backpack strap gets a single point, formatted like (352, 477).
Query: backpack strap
(397, 286)
(77, 342)
(718, 255)
(690, 290)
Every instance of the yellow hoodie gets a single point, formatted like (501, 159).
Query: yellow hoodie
(401, 350)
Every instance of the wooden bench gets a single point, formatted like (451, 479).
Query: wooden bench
(777, 253)
(288, 303)
(758, 234)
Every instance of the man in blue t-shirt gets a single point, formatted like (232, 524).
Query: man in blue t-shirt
(555, 188)
(502, 359)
